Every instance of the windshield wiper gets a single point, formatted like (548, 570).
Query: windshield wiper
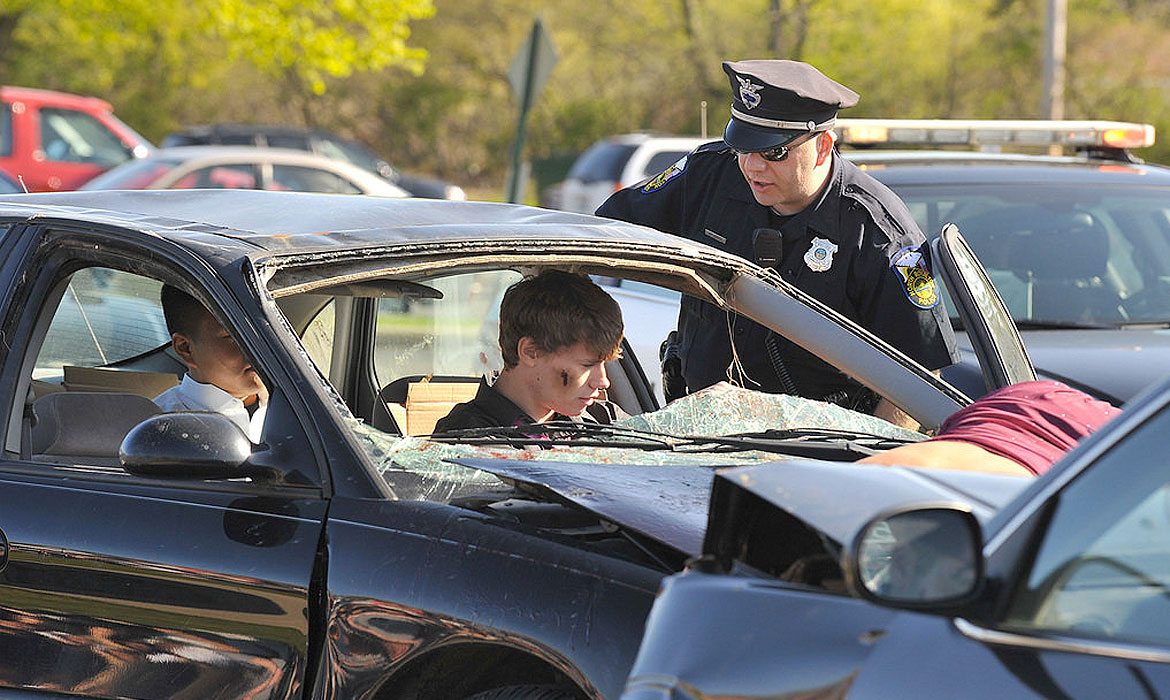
(560, 433)
(824, 443)
(1031, 325)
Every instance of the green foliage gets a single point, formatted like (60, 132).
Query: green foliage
(424, 82)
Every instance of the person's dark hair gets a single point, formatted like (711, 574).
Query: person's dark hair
(181, 311)
(558, 309)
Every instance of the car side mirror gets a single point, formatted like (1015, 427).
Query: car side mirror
(186, 445)
(925, 557)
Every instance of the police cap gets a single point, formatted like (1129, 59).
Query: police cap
(776, 101)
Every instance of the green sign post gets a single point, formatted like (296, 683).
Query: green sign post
(528, 73)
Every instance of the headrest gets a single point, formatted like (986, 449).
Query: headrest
(90, 424)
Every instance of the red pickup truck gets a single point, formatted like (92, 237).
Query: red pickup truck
(55, 141)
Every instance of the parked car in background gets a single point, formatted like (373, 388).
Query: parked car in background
(242, 168)
(925, 592)
(8, 184)
(617, 162)
(323, 143)
(56, 141)
(1078, 245)
(348, 553)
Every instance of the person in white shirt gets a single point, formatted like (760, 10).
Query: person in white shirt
(219, 378)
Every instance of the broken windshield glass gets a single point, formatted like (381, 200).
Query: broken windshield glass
(421, 469)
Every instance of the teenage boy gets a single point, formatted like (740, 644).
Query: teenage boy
(219, 378)
(557, 330)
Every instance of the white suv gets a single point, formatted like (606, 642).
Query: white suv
(617, 162)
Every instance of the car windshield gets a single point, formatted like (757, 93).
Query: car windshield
(1062, 255)
(433, 344)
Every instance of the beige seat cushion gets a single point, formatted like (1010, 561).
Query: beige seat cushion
(427, 402)
(148, 384)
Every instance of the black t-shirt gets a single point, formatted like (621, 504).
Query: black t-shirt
(857, 249)
(490, 409)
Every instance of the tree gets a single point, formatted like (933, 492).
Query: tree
(170, 49)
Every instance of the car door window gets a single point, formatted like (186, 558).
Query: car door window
(72, 136)
(5, 129)
(454, 335)
(1103, 568)
(105, 316)
(302, 179)
(225, 177)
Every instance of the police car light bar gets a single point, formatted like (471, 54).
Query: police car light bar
(996, 132)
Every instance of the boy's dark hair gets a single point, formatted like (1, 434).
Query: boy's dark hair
(558, 309)
(181, 311)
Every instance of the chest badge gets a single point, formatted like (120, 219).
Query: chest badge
(819, 257)
(910, 266)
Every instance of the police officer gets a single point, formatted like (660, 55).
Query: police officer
(775, 190)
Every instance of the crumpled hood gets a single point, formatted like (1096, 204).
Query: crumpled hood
(671, 503)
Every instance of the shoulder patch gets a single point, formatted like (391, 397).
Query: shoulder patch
(910, 265)
(660, 180)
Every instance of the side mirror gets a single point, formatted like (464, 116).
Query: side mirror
(187, 445)
(926, 557)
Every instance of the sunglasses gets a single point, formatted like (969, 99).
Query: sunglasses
(779, 153)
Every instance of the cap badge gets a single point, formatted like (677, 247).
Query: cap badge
(910, 266)
(819, 257)
(749, 93)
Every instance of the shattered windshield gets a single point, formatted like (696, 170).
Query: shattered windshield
(401, 354)
(420, 468)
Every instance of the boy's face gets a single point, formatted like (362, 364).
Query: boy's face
(569, 379)
(212, 357)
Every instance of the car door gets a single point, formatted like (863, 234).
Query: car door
(113, 585)
(989, 325)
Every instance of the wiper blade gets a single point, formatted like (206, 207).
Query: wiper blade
(1033, 325)
(802, 442)
(812, 442)
(560, 433)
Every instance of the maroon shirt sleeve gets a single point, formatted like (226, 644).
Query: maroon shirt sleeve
(1031, 423)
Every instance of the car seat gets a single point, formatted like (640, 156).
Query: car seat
(85, 427)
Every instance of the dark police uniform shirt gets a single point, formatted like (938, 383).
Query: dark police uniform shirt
(490, 409)
(877, 275)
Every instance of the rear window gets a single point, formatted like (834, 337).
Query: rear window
(603, 161)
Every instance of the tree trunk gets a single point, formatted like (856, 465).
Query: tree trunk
(788, 28)
(8, 23)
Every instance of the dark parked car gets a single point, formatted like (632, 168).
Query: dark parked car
(317, 141)
(1077, 245)
(925, 590)
(346, 554)
(8, 184)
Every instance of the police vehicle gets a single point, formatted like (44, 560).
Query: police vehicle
(1078, 245)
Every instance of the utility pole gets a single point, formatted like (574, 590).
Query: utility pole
(1055, 48)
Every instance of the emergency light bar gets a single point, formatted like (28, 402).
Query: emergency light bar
(995, 132)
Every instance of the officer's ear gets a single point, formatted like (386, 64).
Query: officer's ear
(825, 141)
